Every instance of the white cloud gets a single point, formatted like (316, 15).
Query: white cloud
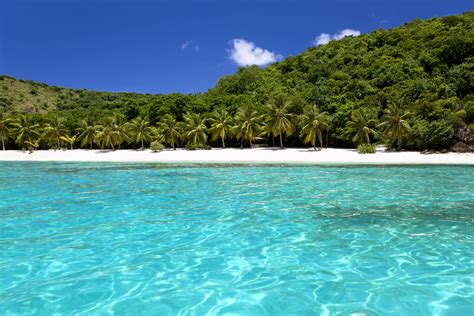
(322, 39)
(325, 38)
(346, 32)
(245, 53)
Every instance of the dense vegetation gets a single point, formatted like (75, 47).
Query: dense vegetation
(409, 87)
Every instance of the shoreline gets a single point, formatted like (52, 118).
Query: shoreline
(246, 155)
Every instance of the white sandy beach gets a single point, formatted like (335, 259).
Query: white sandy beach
(233, 155)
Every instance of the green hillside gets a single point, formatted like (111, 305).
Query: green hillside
(424, 68)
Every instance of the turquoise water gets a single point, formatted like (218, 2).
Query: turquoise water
(147, 239)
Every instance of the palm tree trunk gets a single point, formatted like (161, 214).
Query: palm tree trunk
(112, 145)
(281, 141)
(242, 143)
(90, 143)
(3, 143)
(143, 145)
(399, 143)
(72, 146)
(223, 143)
(314, 143)
(59, 144)
(327, 138)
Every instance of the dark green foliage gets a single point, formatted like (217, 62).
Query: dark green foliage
(469, 111)
(195, 146)
(434, 135)
(131, 111)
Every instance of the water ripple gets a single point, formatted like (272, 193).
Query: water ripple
(93, 238)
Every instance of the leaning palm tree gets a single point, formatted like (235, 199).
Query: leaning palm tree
(170, 130)
(107, 136)
(33, 144)
(25, 130)
(313, 122)
(195, 128)
(221, 125)
(71, 140)
(395, 124)
(141, 131)
(87, 131)
(248, 125)
(5, 130)
(278, 120)
(53, 130)
(360, 124)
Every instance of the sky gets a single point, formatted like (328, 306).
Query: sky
(180, 46)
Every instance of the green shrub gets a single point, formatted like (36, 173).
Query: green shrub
(156, 146)
(433, 135)
(191, 146)
(366, 149)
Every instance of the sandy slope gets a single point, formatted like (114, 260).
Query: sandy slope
(260, 155)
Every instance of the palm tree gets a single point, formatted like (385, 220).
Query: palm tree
(170, 129)
(121, 130)
(87, 131)
(328, 119)
(25, 130)
(141, 131)
(220, 125)
(195, 128)
(107, 135)
(5, 130)
(395, 124)
(33, 145)
(278, 118)
(248, 125)
(70, 140)
(313, 122)
(360, 124)
(54, 129)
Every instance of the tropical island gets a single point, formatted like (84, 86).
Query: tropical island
(337, 181)
(407, 88)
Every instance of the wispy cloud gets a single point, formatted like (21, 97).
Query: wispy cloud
(325, 38)
(186, 45)
(246, 53)
(191, 45)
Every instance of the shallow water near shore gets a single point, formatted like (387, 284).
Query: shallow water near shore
(98, 238)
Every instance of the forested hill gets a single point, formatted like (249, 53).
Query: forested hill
(425, 67)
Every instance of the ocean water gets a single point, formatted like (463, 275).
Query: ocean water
(151, 239)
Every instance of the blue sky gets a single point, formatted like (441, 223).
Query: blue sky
(180, 46)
